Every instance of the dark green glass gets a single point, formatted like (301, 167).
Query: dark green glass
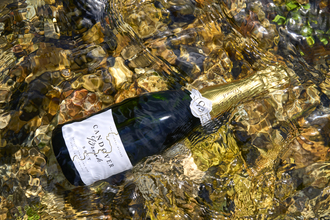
(147, 125)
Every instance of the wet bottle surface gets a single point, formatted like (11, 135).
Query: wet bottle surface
(146, 125)
(152, 122)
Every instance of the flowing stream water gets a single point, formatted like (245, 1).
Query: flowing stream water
(64, 60)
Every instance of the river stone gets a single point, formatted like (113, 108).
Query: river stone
(120, 72)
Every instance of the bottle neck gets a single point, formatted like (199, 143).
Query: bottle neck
(227, 95)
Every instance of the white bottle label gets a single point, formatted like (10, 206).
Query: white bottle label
(95, 147)
(200, 107)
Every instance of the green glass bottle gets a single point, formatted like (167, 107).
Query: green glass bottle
(117, 138)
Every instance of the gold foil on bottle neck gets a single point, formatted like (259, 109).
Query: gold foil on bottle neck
(225, 96)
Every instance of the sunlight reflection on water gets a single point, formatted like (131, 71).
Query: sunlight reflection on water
(64, 60)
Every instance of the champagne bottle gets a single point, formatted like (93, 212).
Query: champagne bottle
(115, 139)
